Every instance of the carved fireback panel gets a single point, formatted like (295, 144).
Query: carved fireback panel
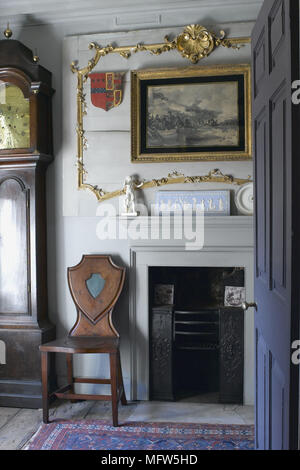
(231, 355)
(161, 354)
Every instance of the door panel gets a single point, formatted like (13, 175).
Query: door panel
(262, 167)
(259, 62)
(262, 405)
(275, 59)
(277, 389)
(276, 32)
(280, 168)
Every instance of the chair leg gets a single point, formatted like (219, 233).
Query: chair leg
(114, 386)
(121, 384)
(44, 357)
(70, 373)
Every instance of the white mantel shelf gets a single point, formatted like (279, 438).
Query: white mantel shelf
(220, 231)
(237, 220)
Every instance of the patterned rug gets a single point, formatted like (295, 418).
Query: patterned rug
(100, 435)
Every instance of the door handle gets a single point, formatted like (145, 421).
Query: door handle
(246, 305)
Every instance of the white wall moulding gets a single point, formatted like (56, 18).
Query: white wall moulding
(228, 243)
(150, 19)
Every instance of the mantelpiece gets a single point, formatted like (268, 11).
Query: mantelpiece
(228, 242)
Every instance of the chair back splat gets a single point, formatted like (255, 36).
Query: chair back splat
(95, 285)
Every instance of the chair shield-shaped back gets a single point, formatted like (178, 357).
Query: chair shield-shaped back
(95, 285)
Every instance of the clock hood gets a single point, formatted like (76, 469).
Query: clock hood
(14, 54)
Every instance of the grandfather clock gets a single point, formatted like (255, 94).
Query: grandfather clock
(25, 153)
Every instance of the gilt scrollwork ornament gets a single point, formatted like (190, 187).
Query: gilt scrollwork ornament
(214, 176)
(195, 43)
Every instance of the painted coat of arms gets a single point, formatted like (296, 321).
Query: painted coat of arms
(106, 89)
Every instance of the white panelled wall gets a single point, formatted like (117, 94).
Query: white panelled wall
(60, 34)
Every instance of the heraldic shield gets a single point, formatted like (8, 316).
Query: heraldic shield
(106, 89)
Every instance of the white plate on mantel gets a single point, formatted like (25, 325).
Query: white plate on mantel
(244, 199)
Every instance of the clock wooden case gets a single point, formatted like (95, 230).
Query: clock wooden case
(25, 153)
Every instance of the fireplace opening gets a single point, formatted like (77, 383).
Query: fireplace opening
(196, 330)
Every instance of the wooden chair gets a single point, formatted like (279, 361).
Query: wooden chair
(95, 285)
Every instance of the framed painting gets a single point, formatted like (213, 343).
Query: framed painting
(191, 114)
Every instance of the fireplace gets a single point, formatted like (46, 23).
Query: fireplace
(196, 342)
(228, 242)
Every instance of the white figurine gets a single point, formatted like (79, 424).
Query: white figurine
(129, 202)
(202, 205)
(211, 205)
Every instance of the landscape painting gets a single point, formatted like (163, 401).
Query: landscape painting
(191, 114)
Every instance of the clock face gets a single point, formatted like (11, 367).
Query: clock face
(14, 118)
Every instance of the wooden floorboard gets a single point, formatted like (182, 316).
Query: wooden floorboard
(19, 428)
(6, 414)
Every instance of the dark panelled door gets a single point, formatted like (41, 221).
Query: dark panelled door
(276, 132)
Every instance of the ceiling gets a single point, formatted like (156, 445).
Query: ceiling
(70, 6)
(47, 11)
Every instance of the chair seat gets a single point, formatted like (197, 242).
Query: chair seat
(81, 345)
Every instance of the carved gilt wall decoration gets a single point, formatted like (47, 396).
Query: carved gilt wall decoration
(194, 44)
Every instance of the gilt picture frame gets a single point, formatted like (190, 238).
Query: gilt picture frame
(191, 114)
